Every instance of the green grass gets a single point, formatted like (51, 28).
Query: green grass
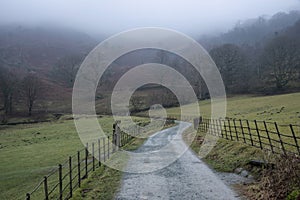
(105, 181)
(284, 109)
(29, 152)
(229, 155)
(102, 184)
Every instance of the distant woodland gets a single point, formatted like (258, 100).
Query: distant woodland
(38, 65)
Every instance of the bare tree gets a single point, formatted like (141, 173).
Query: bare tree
(66, 69)
(31, 89)
(136, 103)
(232, 65)
(281, 58)
(8, 83)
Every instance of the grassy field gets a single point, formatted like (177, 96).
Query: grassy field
(29, 152)
(104, 182)
(284, 109)
(227, 155)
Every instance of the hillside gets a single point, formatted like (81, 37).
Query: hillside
(52, 52)
(253, 32)
(28, 49)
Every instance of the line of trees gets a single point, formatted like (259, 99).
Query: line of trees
(65, 70)
(273, 68)
(18, 91)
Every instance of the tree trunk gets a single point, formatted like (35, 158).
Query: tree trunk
(6, 104)
(10, 104)
(30, 109)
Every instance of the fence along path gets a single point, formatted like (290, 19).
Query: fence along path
(282, 139)
(66, 177)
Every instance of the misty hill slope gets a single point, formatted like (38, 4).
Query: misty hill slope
(39, 48)
(254, 32)
(25, 49)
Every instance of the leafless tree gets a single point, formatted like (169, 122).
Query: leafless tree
(32, 89)
(8, 83)
(281, 58)
(136, 103)
(232, 65)
(66, 69)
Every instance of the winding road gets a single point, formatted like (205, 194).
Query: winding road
(186, 178)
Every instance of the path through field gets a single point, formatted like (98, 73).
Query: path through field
(187, 178)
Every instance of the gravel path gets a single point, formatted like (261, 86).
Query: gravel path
(186, 178)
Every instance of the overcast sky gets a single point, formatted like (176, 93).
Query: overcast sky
(111, 16)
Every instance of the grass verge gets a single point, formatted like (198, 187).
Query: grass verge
(281, 181)
(28, 152)
(104, 183)
(226, 155)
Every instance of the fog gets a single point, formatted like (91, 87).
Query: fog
(111, 16)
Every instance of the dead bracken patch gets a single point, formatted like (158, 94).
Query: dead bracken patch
(281, 182)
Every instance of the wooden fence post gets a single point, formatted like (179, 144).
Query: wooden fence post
(211, 126)
(124, 138)
(114, 137)
(78, 167)
(243, 133)
(279, 137)
(60, 182)
(225, 129)
(108, 147)
(86, 160)
(257, 130)
(27, 196)
(121, 138)
(236, 132)
(200, 126)
(103, 139)
(230, 132)
(99, 152)
(46, 188)
(93, 155)
(221, 127)
(118, 131)
(249, 131)
(269, 138)
(295, 139)
(70, 176)
(214, 127)
(217, 127)
(207, 125)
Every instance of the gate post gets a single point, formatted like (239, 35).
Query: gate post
(118, 132)
(116, 135)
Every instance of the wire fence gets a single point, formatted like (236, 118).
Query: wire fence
(61, 182)
(281, 139)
